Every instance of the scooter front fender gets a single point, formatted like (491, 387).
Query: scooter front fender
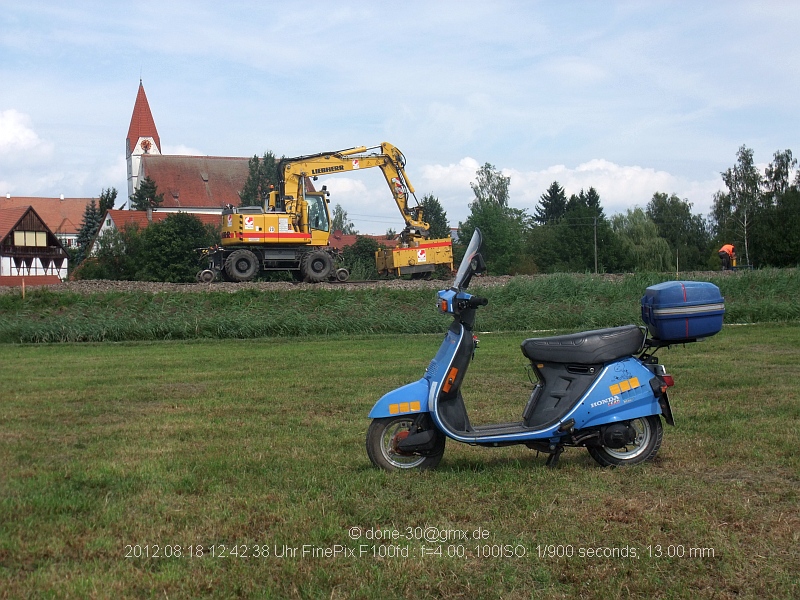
(410, 399)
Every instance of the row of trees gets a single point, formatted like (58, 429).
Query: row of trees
(759, 214)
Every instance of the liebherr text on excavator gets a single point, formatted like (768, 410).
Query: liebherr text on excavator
(292, 230)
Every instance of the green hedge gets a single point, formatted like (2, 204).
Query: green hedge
(552, 302)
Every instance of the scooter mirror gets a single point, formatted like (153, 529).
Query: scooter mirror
(472, 263)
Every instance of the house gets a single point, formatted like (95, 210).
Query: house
(63, 216)
(29, 249)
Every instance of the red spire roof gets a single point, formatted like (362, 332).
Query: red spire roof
(142, 123)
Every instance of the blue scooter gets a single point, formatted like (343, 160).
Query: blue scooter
(603, 390)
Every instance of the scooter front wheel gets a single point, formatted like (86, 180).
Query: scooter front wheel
(647, 441)
(383, 437)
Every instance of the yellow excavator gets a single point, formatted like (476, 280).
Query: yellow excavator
(291, 231)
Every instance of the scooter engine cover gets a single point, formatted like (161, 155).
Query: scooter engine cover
(618, 435)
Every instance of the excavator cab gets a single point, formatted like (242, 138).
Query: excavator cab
(317, 212)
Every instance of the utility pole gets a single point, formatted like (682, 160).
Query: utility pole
(595, 245)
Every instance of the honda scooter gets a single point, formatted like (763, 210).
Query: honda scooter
(603, 390)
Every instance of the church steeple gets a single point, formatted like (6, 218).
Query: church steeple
(142, 138)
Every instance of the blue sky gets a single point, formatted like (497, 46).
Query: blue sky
(628, 97)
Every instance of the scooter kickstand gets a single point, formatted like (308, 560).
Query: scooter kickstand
(552, 460)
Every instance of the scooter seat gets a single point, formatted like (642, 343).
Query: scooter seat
(587, 347)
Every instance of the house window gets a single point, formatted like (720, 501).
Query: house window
(30, 238)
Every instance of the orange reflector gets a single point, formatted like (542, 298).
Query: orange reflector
(444, 306)
(451, 377)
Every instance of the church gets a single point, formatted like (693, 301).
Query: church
(194, 184)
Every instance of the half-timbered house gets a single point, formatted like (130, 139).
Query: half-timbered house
(29, 249)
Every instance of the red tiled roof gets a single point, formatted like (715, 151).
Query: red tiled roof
(123, 218)
(9, 217)
(339, 241)
(197, 181)
(61, 216)
(142, 123)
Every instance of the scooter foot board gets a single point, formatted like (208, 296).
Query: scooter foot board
(499, 429)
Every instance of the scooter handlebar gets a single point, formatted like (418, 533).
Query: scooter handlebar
(475, 302)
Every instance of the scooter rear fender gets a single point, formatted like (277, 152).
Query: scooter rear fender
(410, 399)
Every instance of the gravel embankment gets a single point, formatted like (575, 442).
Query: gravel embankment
(102, 286)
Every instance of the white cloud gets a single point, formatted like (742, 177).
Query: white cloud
(19, 143)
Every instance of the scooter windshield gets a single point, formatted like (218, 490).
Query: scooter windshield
(465, 269)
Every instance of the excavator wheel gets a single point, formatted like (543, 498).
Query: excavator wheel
(342, 274)
(206, 276)
(317, 266)
(241, 265)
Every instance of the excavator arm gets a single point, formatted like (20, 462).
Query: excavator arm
(386, 157)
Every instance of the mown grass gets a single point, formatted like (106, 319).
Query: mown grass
(560, 301)
(245, 442)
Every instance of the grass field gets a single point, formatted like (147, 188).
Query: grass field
(115, 458)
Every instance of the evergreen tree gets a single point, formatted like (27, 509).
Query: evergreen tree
(263, 176)
(586, 239)
(552, 205)
(92, 219)
(146, 195)
(435, 216)
(687, 234)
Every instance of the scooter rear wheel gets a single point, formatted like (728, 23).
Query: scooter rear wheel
(649, 432)
(383, 436)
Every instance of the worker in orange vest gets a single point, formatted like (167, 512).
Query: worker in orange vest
(728, 256)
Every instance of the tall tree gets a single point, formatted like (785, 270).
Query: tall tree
(263, 176)
(638, 235)
(435, 216)
(107, 199)
(777, 175)
(736, 208)
(503, 227)
(491, 185)
(340, 221)
(146, 195)
(687, 234)
(92, 219)
(552, 205)
(587, 240)
(778, 220)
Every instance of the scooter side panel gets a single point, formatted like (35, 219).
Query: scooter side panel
(410, 399)
(623, 392)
